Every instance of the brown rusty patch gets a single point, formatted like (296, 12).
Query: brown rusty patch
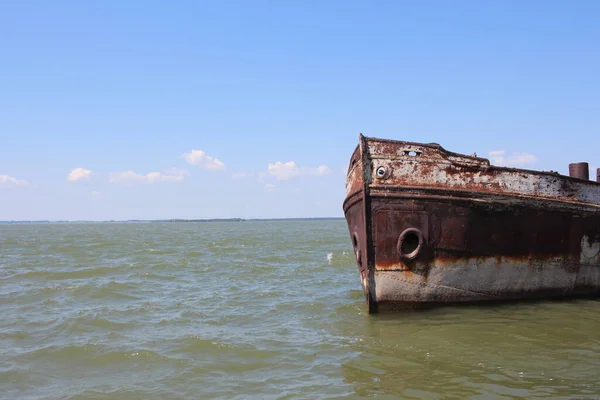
(481, 230)
(478, 213)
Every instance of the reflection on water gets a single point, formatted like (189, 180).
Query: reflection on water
(532, 350)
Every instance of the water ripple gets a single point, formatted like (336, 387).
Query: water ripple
(257, 310)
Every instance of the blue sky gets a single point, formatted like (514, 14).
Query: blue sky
(161, 107)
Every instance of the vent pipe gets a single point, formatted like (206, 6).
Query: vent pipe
(579, 170)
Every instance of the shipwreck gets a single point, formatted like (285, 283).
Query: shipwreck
(432, 227)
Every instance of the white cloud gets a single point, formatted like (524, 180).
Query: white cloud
(319, 171)
(200, 159)
(9, 181)
(79, 174)
(498, 157)
(284, 171)
(270, 187)
(97, 194)
(289, 170)
(130, 177)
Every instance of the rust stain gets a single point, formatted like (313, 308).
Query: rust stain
(419, 211)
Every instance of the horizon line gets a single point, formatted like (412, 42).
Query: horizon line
(43, 221)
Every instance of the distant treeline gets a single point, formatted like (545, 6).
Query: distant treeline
(194, 220)
(178, 220)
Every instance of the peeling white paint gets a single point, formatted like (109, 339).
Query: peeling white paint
(485, 279)
(437, 168)
(589, 250)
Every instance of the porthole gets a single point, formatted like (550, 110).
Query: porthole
(382, 172)
(410, 243)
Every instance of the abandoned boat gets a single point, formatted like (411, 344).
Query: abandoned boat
(433, 227)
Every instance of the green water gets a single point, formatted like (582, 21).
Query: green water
(258, 310)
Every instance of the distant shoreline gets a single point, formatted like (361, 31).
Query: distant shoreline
(174, 220)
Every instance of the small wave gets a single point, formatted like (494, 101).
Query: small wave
(109, 290)
(82, 273)
(14, 335)
(93, 354)
(123, 392)
(146, 356)
(197, 344)
(87, 323)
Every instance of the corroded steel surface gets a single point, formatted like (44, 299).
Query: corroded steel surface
(431, 226)
(579, 170)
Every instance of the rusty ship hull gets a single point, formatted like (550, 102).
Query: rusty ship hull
(432, 227)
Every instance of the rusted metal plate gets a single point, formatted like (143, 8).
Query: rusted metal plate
(436, 226)
(579, 170)
(408, 164)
